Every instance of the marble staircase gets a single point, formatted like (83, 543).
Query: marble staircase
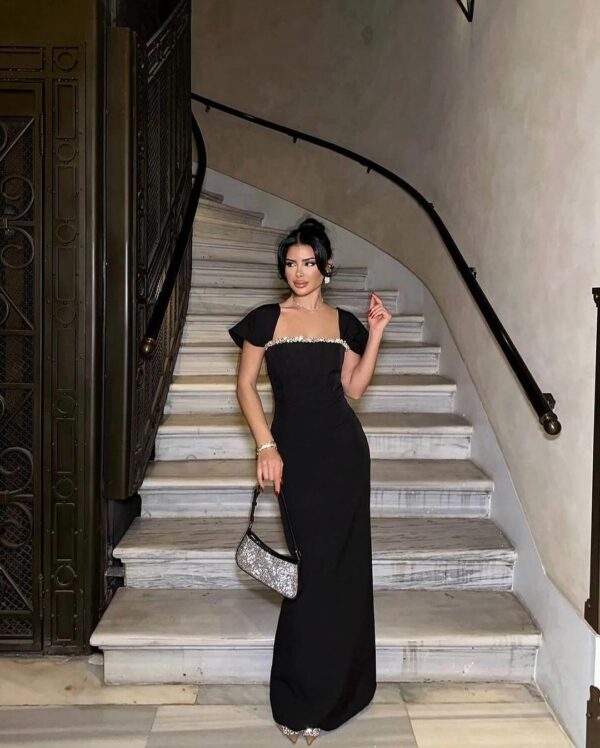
(442, 570)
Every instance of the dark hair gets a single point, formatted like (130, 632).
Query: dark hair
(311, 232)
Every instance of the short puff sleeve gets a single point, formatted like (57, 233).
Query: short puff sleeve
(356, 334)
(253, 327)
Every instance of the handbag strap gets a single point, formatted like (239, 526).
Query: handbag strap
(287, 516)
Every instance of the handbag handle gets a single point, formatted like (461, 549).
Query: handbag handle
(287, 516)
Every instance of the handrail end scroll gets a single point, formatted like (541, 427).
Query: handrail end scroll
(550, 423)
(147, 347)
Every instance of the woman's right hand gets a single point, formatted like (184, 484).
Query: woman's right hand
(269, 466)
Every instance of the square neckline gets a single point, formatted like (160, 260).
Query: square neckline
(308, 339)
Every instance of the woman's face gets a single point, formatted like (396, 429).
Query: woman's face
(301, 270)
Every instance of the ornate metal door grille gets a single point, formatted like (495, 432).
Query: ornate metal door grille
(20, 381)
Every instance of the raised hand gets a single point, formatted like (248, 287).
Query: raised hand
(378, 315)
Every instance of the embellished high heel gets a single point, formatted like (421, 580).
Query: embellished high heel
(293, 735)
(311, 734)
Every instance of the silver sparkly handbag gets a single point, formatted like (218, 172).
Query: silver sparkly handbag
(279, 571)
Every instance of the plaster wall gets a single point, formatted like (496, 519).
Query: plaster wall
(495, 122)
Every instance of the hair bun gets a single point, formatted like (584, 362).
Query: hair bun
(312, 223)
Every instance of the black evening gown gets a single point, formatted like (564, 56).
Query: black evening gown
(323, 669)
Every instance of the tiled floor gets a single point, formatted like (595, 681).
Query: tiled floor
(62, 702)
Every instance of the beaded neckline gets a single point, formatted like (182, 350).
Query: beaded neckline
(308, 339)
(302, 339)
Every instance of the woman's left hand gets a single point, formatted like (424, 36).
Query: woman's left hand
(378, 315)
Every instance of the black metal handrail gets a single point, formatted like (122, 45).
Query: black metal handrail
(148, 342)
(467, 7)
(542, 402)
(592, 604)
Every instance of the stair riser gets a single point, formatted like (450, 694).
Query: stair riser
(207, 300)
(219, 212)
(371, 402)
(238, 233)
(224, 573)
(214, 248)
(234, 664)
(235, 502)
(209, 331)
(266, 277)
(227, 362)
(386, 446)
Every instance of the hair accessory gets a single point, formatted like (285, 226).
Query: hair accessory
(279, 571)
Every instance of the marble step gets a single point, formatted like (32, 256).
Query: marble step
(395, 357)
(226, 636)
(207, 195)
(390, 436)
(229, 300)
(399, 488)
(213, 328)
(264, 236)
(244, 274)
(408, 553)
(387, 393)
(218, 248)
(209, 210)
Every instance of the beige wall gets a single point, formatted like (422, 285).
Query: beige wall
(496, 122)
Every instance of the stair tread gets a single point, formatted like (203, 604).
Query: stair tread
(387, 381)
(402, 473)
(213, 197)
(392, 537)
(227, 218)
(268, 232)
(391, 422)
(138, 617)
(226, 208)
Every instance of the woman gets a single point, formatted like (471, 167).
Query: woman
(323, 670)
